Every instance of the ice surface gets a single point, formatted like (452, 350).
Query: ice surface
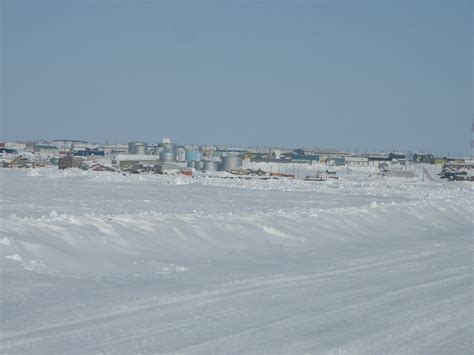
(101, 262)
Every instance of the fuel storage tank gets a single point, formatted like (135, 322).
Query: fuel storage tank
(140, 148)
(199, 165)
(180, 154)
(231, 162)
(210, 165)
(193, 155)
(168, 156)
(131, 147)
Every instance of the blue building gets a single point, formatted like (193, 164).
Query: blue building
(89, 152)
(304, 158)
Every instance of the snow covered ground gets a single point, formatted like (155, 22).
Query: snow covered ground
(99, 262)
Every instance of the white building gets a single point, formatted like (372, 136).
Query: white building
(116, 148)
(15, 145)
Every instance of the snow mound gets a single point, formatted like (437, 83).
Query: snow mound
(100, 262)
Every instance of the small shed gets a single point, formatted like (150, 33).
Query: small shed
(69, 162)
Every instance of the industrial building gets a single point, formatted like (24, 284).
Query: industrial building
(115, 148)
(45, 151)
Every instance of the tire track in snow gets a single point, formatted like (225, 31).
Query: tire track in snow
(225, 293)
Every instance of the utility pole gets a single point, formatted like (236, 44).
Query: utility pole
(472, 137)
(423, 167)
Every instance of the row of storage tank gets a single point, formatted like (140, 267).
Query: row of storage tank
(230, 162)
(142, 148)
(169, 153)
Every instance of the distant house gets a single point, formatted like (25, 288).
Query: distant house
(69, 162)
(304, 158)
(358, 161)
(424, 158)
(336, 161)
(8, 151)
(397, 156)
(166, 168)
(116, 148)
(46, 151)
(89, 152)
(458, 164)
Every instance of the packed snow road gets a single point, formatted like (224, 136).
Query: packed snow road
(99, 262)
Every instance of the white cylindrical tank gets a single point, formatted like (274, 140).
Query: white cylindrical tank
(199, 165)
(231, 162)
(168, 156)
(140, 148)
(180, 154)
(210, 165)
(131, 147)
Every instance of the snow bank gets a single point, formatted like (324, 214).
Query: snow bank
(149, 232)
(101, 262)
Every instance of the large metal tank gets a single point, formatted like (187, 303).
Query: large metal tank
(231, 162)
(131, 147)
(191, 164)
(199, 165)
(140, 148)
(168, 156)
(157, 150)
(180, 154)
(210, 165)
(193, 155)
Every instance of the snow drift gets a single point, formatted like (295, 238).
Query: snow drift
(100, 262)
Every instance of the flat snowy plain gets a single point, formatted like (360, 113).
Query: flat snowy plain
(97, 262)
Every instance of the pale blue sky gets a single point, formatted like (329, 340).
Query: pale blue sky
(343, 74)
